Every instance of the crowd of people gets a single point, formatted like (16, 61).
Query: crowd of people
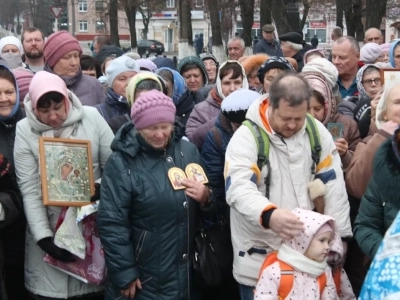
(291, 157)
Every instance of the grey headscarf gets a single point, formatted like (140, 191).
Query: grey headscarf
(362, 94)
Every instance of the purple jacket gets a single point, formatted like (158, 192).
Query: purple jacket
(201, 120)
(88, 89)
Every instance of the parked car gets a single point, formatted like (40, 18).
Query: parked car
(150, 46)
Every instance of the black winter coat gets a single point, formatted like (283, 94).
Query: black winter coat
(147, 229)
(11, 202)
(14, 237)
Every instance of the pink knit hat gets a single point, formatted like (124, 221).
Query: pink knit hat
(385, 47)
(57, 45)
(151, 108)
(44, 82)
(23, 78)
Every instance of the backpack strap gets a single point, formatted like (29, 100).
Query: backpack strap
(322, 282)
(262, 141)
(336, 278)
(315, 141)
(286, 282)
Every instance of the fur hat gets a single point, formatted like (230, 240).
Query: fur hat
(235, 105)
(253, 62)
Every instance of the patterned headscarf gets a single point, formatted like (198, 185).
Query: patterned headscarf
(179, 84)
(362, 93)
(135, 80)
(318, 83)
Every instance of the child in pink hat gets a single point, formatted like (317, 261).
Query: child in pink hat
(305, 260)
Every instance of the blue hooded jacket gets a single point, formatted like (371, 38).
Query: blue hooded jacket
(179, 84)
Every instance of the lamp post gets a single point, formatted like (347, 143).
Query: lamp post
(73, 17)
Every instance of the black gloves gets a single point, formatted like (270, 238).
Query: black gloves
(54, 251)
(96, 195)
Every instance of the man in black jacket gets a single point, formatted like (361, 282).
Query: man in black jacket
(314, 42)
(268, 44)
(291, 44)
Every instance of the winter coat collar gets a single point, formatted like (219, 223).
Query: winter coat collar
(114, 99)
(75, 114)
(69, 81)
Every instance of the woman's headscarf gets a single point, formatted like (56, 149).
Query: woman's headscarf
(135, 80)
(391, 53)
(362, 93)
(245, 84)
(318, 83)
(179, 84)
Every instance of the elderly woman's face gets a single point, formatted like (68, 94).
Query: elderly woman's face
(392, 112)
(157, 135)
(68, 65)
(8, 97)
(372, 83)
(194, 79)
(253, 79)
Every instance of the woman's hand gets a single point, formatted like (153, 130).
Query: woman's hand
(196, 190)
(342, 146)
(130, 292)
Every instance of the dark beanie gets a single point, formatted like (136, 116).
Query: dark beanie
(163, 62)
(108, 51)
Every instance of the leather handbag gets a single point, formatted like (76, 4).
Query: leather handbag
(213, 256)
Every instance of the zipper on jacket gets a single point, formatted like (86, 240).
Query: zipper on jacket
(140, 244)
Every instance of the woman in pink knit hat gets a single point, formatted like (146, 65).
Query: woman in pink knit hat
(62, 53)
(54, 111)
(146, 222)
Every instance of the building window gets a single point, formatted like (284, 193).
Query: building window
(82, 5)
(100, 26)
(199, 3)
(170, 3)
(99, 6)
(83, 26)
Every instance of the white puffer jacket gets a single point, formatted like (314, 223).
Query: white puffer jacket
(291, 162)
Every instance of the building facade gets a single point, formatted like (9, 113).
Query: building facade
(91, 19)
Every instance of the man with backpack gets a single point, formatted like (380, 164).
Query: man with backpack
(279, 160)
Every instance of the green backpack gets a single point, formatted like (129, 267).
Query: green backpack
(262, 140)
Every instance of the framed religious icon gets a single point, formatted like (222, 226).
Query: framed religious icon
(66, 171)
(390, 76)
(196, 172)
(176, 176)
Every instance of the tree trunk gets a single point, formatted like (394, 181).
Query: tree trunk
(280, 17)
(130, 10)
(349, 16)
(357, 7)
(306, 9)
(217, 45)
(185, 46)
(247, 15)
(375, 11)
(265, 12)
(339, 13)
(114, 36)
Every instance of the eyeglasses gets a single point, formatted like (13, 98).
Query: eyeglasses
(369, 82)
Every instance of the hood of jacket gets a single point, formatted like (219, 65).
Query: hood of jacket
(362, 93)
(16, 107)
(245, 84)
(179, 84)
(129, 143)
(312, 223)
(75, 114)
(198, 62)
(318, 83)
(391, 53)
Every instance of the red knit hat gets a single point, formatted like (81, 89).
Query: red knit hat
(23, 78)
(57, 45)
(151, 108)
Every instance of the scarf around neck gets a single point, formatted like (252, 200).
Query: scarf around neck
(69, 80)
(301, 263)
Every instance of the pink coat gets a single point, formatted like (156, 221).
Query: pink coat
(305, 286)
